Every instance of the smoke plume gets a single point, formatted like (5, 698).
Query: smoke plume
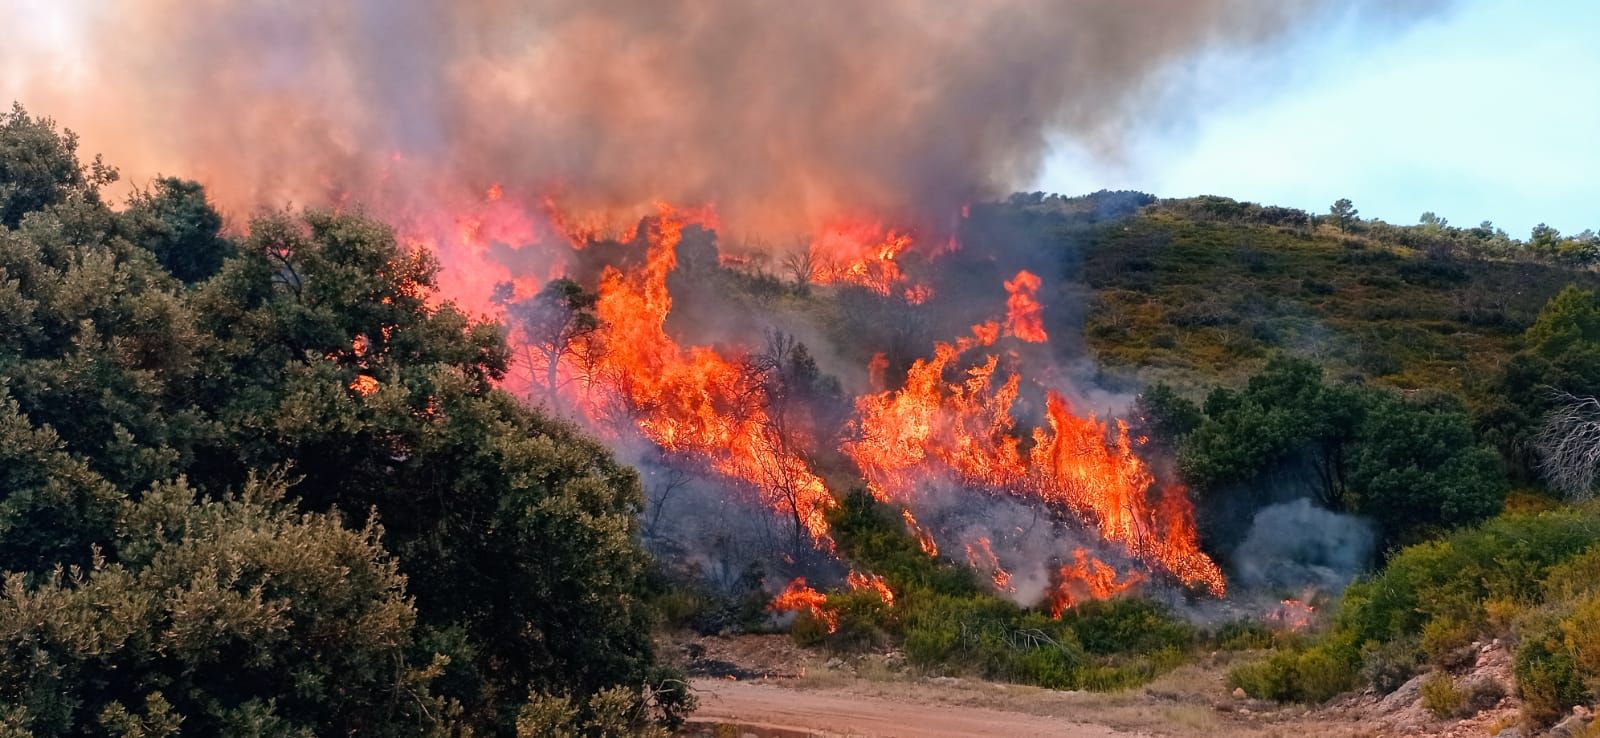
(1295, 545)
(785, 115)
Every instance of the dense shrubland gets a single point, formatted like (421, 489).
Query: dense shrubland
(212, 447)
(263, 486)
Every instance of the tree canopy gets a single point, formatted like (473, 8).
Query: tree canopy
(1411, 466)
(156, 373)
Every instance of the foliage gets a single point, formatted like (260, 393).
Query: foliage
(1441, 697)
(1410, 466)
(609, 713)
(39, 167)
(221, 616)
(1525, 573)
(140, 347)
(1548, 680)
(1344, 214)
(1173, 300)
(173, 221)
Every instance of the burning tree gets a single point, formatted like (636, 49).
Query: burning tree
(555, 326)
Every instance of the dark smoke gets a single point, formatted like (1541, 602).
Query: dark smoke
(782, 114)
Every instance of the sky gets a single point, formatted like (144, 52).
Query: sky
(1490, 111)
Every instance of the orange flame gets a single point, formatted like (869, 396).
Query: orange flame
(364, 385)
(1292, 614)
(936, 429)
(871, 582)
(695, 401)
(710, 406)
(1024, 314)
(865, 254)
(797, 597)
(1087, 578)
(980, 556)
(924, 538)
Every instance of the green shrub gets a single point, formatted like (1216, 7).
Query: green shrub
(1323, 672)
(1244, 635)
(1580, 631)
(808, 630)
(615, 712)
(1441, 697)
(1447, 641)
(1127, 625)
(678, 607)
(1272, 678)
(1576, 577)
(1387, 666)
(864, 619)
(1547, 679)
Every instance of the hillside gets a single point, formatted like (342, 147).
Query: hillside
(1182, 294)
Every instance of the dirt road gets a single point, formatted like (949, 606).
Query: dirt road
(771, 710)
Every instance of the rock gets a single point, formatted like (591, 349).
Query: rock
(1582, 711)
(1238, 693)
(835, 663)
(1404, 697)
(1574, 726)
(1512, 732)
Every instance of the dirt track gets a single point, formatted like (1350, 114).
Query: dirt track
(783, 711)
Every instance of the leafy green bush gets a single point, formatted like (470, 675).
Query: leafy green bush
(1413, 468)
(1547, 677)
(608, 713)
(1311, 675)
(141, 347)
(1530, 572)
(213, 615)
(1387, 666)
(1441, 697)
(1244, 635)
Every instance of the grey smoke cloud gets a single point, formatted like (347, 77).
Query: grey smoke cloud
(1294, 545)
(783, 114)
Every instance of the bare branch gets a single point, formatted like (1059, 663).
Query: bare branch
(1568, 443)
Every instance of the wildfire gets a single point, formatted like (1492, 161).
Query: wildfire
(1024, 314)
(864, 254)
(364, 385)
(797, 597)
(1292, 614)
(980, 556)
(695, 401)
(1087, 578)
(872, 583)
(965, 430)
(952, 419)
